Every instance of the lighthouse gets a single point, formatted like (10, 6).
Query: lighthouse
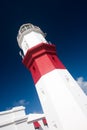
(63, 101)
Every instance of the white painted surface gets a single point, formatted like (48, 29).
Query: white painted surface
(19, 121)
(35, 116)
(31, 39)
(48, 107)
(62, 100)
(11, 114)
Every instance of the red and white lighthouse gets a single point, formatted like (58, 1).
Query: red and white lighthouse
(63, 102)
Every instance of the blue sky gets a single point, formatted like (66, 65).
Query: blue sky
(65, 23)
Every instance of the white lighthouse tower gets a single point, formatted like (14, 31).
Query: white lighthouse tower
(63, 102)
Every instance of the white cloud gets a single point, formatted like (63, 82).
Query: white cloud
(83, 84)
(21, 102)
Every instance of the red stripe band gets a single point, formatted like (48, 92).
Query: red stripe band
(42, 59)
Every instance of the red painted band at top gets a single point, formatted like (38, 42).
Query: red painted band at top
(42, 59)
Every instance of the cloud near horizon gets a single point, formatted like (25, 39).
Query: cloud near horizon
(82, 83)
(21, 102)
